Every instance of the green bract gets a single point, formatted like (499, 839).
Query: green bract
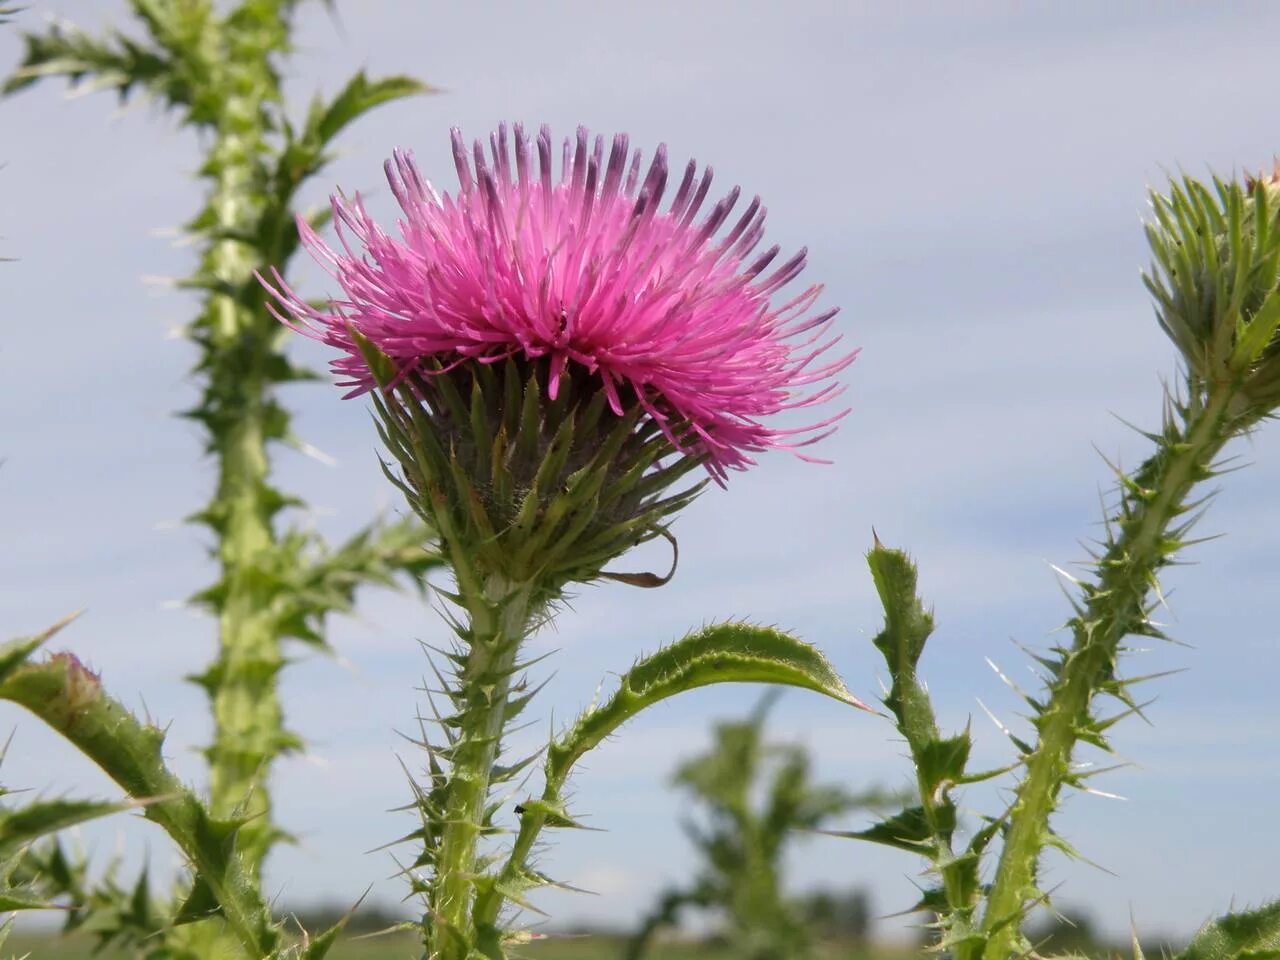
(1214, 279)
(535, 490)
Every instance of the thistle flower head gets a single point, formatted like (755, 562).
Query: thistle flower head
(664, 303)
(553, 353)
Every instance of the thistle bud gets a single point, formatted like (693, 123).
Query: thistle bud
(1214, 279)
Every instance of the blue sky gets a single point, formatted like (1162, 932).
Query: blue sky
(970, 180)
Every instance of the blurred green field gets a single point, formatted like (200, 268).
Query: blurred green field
(406, 948)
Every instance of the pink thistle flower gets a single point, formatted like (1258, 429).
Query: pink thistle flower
(583, 272)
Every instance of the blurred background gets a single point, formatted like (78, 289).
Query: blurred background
(970, 182)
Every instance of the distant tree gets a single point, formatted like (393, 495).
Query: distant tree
(755, 796)
(844, 916)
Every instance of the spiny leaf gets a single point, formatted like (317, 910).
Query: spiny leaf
(15, 653)
(121, 65)
(722, 653)
(315, 948)
(23, 825)
(907, 623)
(16, 898)
(927, 829)
(199, 905)
(1247, 935)
(908, 830)
(358, 97)
(62, 694)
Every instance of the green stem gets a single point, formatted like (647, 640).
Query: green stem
(67, 697)
(500, 613)
(491, 901)
(248, 720)
(1117, 606)
(242, 682)
(961, 896)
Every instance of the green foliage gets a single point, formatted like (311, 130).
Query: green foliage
(530, 494)
(486, 692)
(115, 914)
(1214, 280)
(117, 63)
(756, 797)
(1247, 935)
(1216, 261)
(1216, 300)
(26, 824)
(721, 653)
(927, 828)
(306, 150)
(21, 886)
(520, 485)
(70, 699)
(218, 69)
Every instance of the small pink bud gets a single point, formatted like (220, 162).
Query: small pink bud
(83, 685)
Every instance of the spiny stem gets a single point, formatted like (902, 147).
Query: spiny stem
(490, 902)
(499, 620)
(248, 731)
(130, 753)
(1117, 606)
(941, 818)
(247, 716)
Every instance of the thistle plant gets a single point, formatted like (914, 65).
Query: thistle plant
(218, 70)
(757, 798)
(30, 823)
(560, 360)
(550, 358)
(1214, 280)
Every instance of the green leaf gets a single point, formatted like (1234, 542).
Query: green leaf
(1258, 332)
(907, 626)
(119, 65)
(19, 899)
(380, 365)
(1248, 935)
(929, 828)
(358, 97)
(908, 830)
(941, 762)
(201, 903)
(315, 948)
(20, 827)
(721, 653)
(907, 623)
(15, 653)
(130, 753)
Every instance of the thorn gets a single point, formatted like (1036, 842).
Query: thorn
(1063, 574)
(1102, 793)
(314, 452)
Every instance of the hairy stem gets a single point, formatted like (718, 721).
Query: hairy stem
(248, 729)
(247, 716)
(66, 697)
(532, 819)
(500, 613)
(1117, 605)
